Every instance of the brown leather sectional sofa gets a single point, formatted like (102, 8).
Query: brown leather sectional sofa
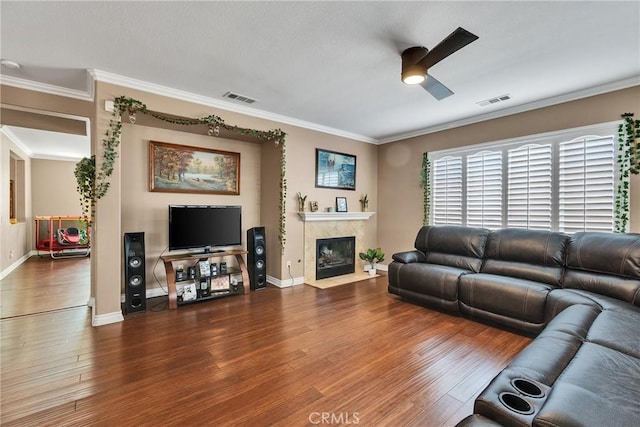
(579, 295)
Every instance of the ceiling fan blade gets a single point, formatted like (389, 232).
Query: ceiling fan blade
(455, 41)
(435, 88)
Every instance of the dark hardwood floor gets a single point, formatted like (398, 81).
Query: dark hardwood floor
(297, 356)
(43, 284)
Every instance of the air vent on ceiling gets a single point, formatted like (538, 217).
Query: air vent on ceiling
(238, 97)
(494, 100)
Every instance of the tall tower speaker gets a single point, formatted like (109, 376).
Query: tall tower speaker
(134, 273)
(257, 258)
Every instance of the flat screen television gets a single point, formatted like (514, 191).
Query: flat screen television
(204, 227)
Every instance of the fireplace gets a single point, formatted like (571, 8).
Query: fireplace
(335, 257)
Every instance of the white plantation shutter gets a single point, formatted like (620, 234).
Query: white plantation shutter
(561, 181)
(484, 189)
(586, 184)
(529, 195)
(447, 191)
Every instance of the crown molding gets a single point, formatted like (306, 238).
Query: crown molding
(547, 102)
(50, 89)
(14, 138)
(57, 158)
(106, 77)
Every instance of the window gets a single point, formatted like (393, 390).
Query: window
(563, 181)
(447, 191)
(484, 189)
(586, 193)
(529, 188)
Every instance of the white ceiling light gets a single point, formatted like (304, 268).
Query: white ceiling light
(413, 75)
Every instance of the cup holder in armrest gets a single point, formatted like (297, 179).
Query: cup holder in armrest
(527, 387)
(516, 403)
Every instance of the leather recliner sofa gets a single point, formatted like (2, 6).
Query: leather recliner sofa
(579, 295)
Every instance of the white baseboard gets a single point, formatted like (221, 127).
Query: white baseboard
(105, 319)
(17, 263)
(285, 283)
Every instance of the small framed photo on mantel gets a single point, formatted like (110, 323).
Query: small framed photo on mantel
(341, 204)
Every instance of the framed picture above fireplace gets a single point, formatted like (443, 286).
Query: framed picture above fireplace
(335, 170)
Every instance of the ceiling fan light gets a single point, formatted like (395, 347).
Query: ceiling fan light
(413, 74)
(413, 79)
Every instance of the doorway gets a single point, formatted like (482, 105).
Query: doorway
(48, 146)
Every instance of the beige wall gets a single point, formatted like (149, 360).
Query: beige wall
(400, 212)
(388, 173)
(39, 101)
(301, 154)
(147, 211)
(15, 239)
(53, 188)
(261, 202)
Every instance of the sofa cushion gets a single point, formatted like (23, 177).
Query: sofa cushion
(560, 299)
(608, 253)
(618, 329)
(535, 255)
(605, 263)
(621, 288)
(439, 281)
(508, 296)
(599, 388)
(461, 247)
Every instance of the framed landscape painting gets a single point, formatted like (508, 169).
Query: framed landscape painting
(177, 168)
(335, 170)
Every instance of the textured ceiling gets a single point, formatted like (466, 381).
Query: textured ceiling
(334, 64)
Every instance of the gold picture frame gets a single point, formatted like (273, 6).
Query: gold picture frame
(175, 168)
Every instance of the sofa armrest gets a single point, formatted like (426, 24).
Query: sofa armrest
(409, 257)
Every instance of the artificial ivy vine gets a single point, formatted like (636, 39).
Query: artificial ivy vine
(93, 184)
(282, 235)
(425, 184)
(628, 164)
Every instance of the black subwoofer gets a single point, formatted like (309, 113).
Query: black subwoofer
(134, 274)
(257, 258)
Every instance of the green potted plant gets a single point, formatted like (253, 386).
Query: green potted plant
(372, 256)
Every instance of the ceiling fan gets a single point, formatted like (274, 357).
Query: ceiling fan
(418, 59)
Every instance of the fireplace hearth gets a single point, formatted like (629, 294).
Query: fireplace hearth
(335, 257)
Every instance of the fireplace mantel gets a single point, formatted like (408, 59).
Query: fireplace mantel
(334, 216)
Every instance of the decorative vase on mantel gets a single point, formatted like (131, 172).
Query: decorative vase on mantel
(364, 203)
(302, 198)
